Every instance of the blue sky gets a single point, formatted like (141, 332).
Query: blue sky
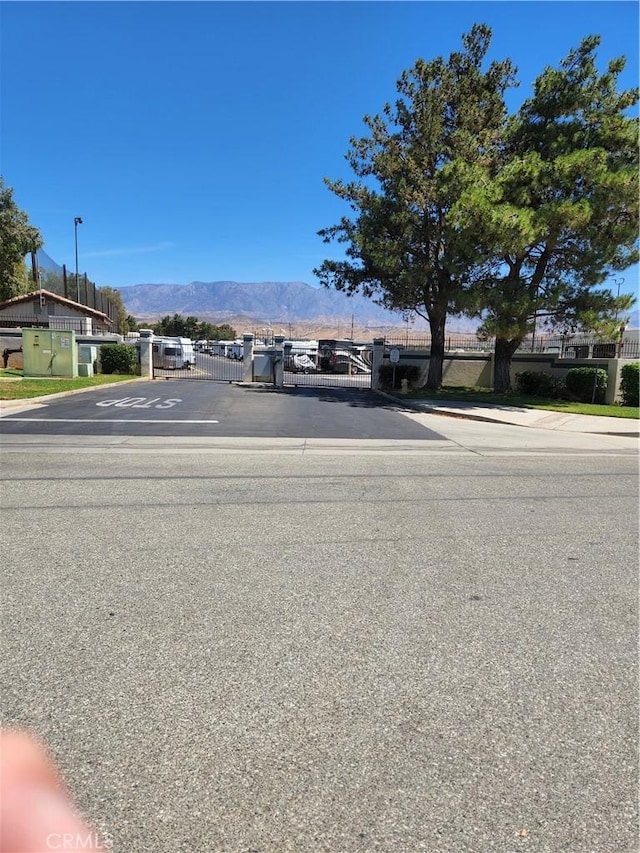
(193, 138)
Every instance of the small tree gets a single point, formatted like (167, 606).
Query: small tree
(225, 332)
(177, 326)
(190, 327)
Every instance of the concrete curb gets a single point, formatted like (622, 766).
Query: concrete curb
(515, 419)
(39, 401)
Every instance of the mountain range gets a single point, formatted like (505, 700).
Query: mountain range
(269, 301)
(277, 303)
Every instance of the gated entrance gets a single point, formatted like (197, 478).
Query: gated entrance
(328, 363)
(205, 365)
(324, 363)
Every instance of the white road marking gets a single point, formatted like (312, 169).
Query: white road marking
(104, 421)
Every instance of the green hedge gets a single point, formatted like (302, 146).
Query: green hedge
(118, 358)
(540, 385)
(410, 372)
(630, 384)
(581, 382)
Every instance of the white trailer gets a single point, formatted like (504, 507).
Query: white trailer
(172, 353)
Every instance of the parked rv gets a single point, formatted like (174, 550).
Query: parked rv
(187, 350)
(301, 356)
(167, 355)
(344, 356)
(300, 363)
(172, 353)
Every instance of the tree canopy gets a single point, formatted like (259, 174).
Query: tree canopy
(17, 239)
(460, 208)
(115, 297)
(557, 213)
(191, 327)
(402, 247)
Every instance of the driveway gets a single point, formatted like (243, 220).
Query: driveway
(187, 408)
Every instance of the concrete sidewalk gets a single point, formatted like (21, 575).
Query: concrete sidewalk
(518, 416)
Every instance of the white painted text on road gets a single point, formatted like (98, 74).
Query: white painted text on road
(140, 403)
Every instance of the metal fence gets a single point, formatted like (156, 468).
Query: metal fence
(79, 289)
(567, 346)
(453, 343)
(79, 325)
(583, 346)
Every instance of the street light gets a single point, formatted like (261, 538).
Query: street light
(619, 282)
(77, 221)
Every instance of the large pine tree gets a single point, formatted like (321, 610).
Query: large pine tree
(402, 249)
(559, 213)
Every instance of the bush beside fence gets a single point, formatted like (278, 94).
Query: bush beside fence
(118, 358)
(630, 384)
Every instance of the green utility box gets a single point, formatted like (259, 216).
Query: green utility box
(49, 352)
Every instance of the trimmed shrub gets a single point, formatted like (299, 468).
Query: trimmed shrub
(540, 385)
(410, 372)
(118, 358)
(630, 384)
(580, 382)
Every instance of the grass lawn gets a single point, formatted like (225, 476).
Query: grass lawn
(14, 387)
(486, 395)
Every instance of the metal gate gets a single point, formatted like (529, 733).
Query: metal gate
(323, 363)
(328, 363)
(204, 365)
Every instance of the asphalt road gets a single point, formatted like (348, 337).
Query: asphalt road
(176, 407)
(257, 643)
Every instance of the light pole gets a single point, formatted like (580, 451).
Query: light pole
(619, 282)
(77, 221)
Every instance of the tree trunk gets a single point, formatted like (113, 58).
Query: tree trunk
(504, 350)
(436, 359)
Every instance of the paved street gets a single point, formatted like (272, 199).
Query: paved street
(177, 407)
(420, 640)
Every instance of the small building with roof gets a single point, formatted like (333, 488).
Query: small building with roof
(43, 309)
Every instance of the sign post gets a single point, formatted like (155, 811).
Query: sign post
(394, 358)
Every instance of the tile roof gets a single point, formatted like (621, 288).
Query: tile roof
(54, 297)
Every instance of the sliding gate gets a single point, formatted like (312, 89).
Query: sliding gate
(219, 368)
(328, 364)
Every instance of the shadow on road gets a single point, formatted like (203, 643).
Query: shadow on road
(356, 397)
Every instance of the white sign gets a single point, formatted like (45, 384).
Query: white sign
(394, 356)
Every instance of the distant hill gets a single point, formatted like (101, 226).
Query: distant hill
(263, 302)
(279, 304)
